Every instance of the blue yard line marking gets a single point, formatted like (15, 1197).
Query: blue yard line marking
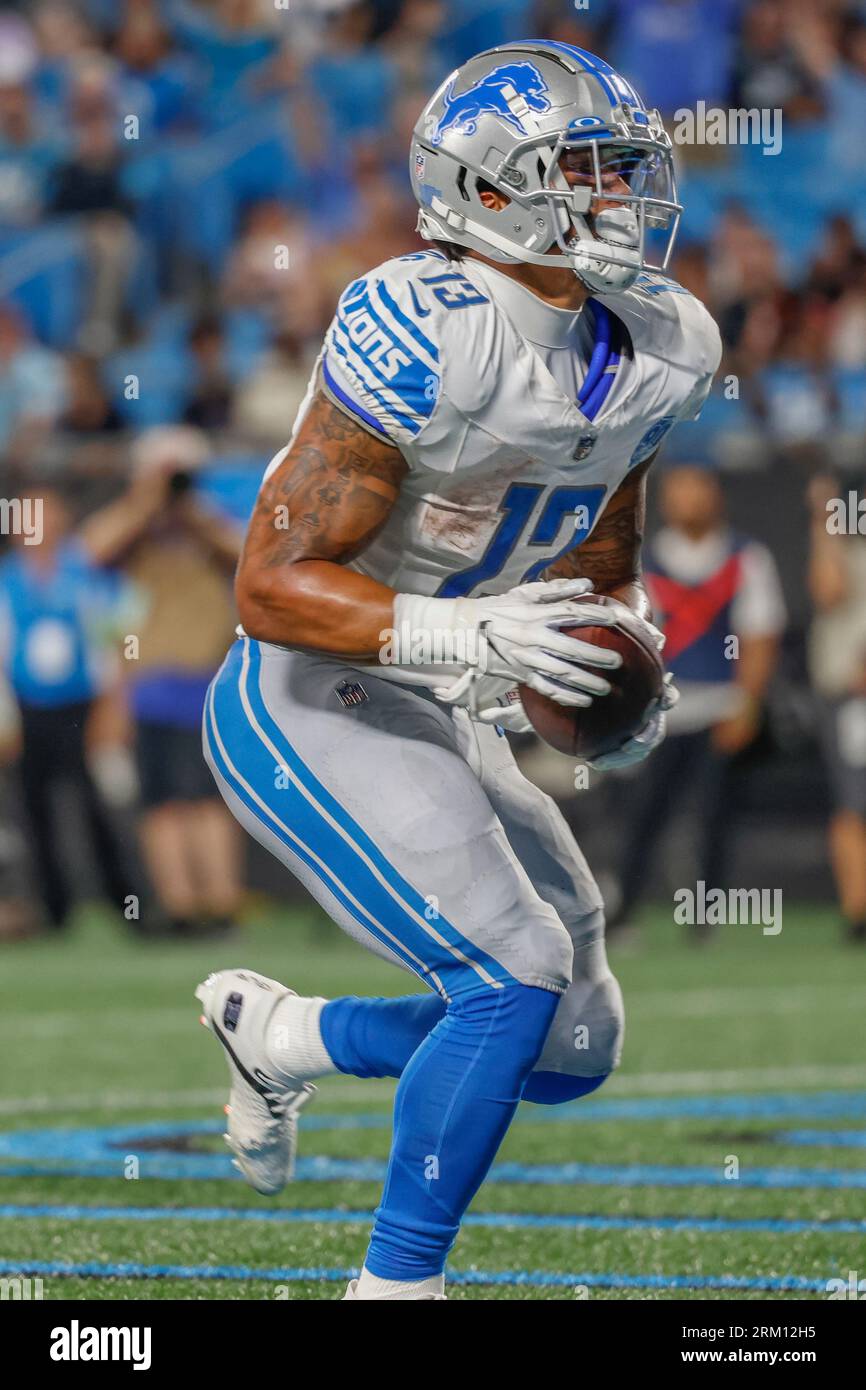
(12, 1211)
(830, 1105)
(809, 1105)
(663, 1175)
(535, 1278)
(100, 1151)
(832, 1138)
(321, 1169)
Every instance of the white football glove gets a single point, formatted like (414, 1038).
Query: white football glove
(516, 636)
(635, 749)
(510, 716)
(488, 700)
(489, 703)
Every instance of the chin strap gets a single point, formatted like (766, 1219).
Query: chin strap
(441, 224)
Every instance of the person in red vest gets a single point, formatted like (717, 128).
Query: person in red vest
(717, 597)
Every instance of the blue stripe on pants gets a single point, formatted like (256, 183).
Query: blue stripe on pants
(310, 822)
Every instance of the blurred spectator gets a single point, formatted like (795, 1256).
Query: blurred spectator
(27, 151)
(797, 397)
(837, 256)
(64, 35)
(693, 271)
(847, 94)
(745, 260)
(381, 228)
(181, 557)
(837, 664)
(847, 346)
(32, 388)
(585, 28)
(227, 37)
(716, 595)
(89, 185)
(60, 621)
(88, 409)
(473, 25)
(161, 82)
(210, 405)
(411, 44)
(267, 402)
(275, 268)
(354, 79)
(776, 65)
(659, 44)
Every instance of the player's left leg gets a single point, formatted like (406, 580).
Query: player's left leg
(376, 1037)
(585, 1039)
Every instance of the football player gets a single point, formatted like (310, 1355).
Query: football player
(469, 462)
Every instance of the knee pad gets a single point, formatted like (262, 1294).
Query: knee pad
(512, 1022)
(585, 1038)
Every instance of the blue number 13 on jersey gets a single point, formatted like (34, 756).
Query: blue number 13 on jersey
(580, 503)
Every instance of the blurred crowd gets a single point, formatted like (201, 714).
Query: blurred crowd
(186, 186)
(154, 153)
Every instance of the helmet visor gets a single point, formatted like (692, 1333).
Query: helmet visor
(601, 174)
(621, 173)
(581, 177)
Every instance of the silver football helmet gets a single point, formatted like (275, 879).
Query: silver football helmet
(584, 166)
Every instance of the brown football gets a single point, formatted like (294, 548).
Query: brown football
(611, 719)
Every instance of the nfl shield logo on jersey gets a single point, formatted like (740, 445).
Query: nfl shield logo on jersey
(351, 693)
(585, 445)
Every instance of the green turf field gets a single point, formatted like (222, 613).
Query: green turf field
(115, 1183)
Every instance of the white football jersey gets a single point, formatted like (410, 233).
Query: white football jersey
(475, 380)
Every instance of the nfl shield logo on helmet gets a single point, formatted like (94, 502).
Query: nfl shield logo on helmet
(420, 165)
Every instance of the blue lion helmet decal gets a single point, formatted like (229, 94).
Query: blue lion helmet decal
(462, 111)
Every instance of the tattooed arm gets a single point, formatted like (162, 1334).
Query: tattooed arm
(325, 502)
(610, 556)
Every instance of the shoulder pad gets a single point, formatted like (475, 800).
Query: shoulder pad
(381, 360)
(666, 320)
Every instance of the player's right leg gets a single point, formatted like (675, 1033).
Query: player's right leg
(359, 786)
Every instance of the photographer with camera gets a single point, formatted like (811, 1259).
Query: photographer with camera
(181, 557)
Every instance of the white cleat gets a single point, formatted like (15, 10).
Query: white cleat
(262, 1111)
(351, 1296)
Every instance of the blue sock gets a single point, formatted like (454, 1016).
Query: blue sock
(376, 1037)
(456, 1098)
